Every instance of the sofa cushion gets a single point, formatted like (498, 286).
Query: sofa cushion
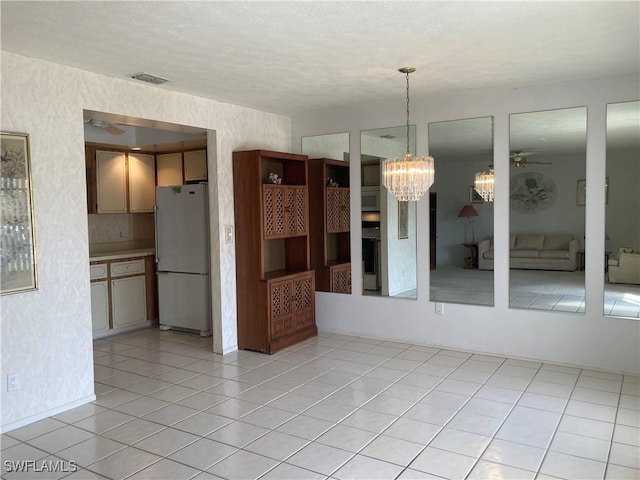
(529, 242)
(512, 242)
(555, 254)
(557, 242)
(524, 253)
(488, 255)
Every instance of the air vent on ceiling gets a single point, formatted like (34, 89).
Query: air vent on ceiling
(149, 78)
(387, 136)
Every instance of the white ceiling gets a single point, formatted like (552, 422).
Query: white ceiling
(296, 58)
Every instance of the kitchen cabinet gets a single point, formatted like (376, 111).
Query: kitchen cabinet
(122, 294)
(274, 282)
(124, 182)
(195, 165)
(169, 169)
(330, 224)
(100, 306)
(142, 183)
(111, 177)
(128, 301)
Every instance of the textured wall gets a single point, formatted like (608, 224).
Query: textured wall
(46, 334)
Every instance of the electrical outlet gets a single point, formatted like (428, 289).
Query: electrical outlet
(12, 382)
(438, 308)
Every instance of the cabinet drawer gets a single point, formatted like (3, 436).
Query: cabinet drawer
(131, 267)
(98, 271)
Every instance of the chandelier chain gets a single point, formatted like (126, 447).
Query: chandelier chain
(408, 112)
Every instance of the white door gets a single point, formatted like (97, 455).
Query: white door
(142, 182)
(99, 306)
(182, 229)
(111, 177)
(169, 169)
(128, 301)
(184, 301)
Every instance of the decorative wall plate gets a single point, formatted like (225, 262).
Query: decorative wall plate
(532, 192)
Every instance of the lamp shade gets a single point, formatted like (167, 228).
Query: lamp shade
(468, 211)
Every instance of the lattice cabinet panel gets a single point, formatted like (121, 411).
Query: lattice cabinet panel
(341, 278)
(284, 211)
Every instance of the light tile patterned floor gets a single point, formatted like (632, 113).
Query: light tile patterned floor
(334, 407)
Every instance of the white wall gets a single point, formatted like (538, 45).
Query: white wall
(46, 334)
(623, 209)
(589, 340)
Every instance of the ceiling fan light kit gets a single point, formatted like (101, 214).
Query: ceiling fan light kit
(408, 178)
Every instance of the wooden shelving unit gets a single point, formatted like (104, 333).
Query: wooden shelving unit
(274, 281)
(329, 224)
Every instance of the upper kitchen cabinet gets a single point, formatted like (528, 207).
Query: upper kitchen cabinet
(111, 182)
(169, 169)
(195, 166)
(142, 185)
(123, 182)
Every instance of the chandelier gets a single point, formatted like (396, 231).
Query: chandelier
(484, 184)
(408, 178)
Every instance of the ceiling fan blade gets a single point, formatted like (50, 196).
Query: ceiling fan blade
(541, 163)
(113, 130)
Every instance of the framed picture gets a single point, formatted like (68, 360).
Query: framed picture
(581, 192)
(403, 220)
(474, 196)
(18, 254)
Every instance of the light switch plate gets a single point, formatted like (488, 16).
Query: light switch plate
(228, 234)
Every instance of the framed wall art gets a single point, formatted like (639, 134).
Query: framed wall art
(581, 192)
(18, 253)
(474, 196)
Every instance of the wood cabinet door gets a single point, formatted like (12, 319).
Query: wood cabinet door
(273, 204)
(280, 312)
(195, 165)
(303, 304)
(100, 306)
(298, 211)
(128, 300)
(338, 210)
(169, 169)
(142, 182)
(340, 278)
(111, 177)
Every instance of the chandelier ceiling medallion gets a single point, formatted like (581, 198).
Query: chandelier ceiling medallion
(408, 178)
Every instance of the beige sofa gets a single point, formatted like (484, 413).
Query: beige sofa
(625, 267)
(536, 252)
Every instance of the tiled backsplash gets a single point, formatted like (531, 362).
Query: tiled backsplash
(121, 227)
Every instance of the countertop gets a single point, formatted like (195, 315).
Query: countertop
(116, 250)
(139, 252)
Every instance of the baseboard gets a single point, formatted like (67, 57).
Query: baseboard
(47, 413)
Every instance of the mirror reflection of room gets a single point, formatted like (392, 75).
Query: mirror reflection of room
(622, 210)
(547, 212)
(388, 226)
(329, 211)
(460, 217)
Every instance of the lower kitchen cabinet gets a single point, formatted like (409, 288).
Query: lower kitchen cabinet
(100, 306)
(128, 301)
(122, 295)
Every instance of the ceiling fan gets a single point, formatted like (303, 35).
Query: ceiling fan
(104, 125)
(519, 160)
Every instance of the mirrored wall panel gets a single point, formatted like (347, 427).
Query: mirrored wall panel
(388, 226)
(461, 220)
(547, 209)
(622, 227)
(329, 211)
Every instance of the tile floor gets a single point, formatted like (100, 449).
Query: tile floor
(334, 407)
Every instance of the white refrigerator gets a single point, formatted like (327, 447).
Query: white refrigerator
(182, 258)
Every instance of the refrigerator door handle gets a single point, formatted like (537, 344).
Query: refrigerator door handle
(155, 224)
